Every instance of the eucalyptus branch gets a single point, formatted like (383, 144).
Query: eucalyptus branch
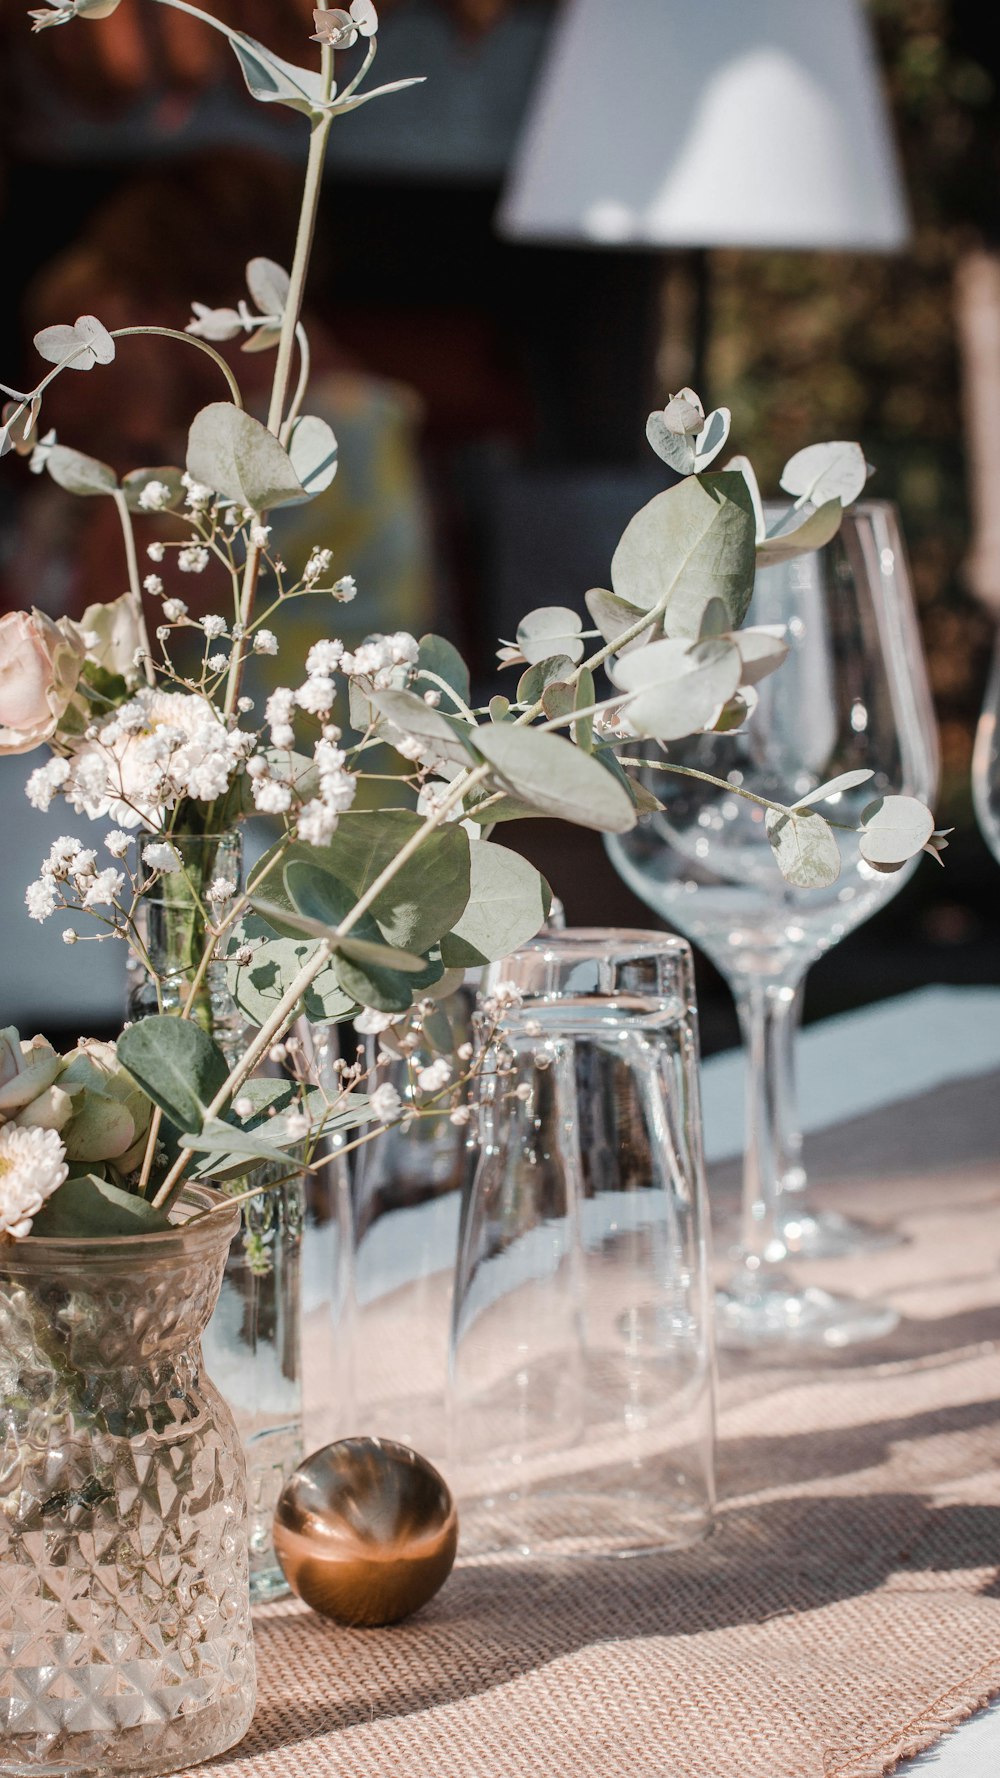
(187, 339)
(305, 362)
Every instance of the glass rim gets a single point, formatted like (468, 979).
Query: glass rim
(20, 1255)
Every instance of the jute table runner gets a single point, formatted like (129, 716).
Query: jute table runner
(847, 1610)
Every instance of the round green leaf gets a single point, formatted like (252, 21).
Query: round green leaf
(804, 847)
(508, 902)
(690, 544)
(555, 777)
(893, 829)
(80, 474)
(233, 453)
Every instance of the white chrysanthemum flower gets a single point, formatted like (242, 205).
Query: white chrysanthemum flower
(156, 748)
(32, 1167)
(161, 855)
(385, 1103)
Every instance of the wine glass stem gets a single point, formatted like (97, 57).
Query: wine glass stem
(765, 1010)
(791, 1172)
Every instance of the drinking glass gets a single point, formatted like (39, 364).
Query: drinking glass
(581, 1364)
(853, 693)
(986, 761)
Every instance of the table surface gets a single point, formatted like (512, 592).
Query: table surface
(892, 1051)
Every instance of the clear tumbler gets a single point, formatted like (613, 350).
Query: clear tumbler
(581, 1375)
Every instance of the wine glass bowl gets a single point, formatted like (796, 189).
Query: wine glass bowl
(852, 695)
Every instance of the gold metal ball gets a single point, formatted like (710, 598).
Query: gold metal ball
(366, 1531)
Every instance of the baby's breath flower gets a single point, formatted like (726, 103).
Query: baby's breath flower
(386, 1103)
(153, 585)
(198, 495)
(161, 855)
(265, 642)
(436, 1075)
(213, 626)
(117, 842)
(155, 497)
(259, 535)
(271, 798)
(156, 551)
(193, 559)
(218, 662)
(243, 1107)
(70, 937)
(345, 589)
(41, 898)
(105, 887)
(244, 706)
(174, 610)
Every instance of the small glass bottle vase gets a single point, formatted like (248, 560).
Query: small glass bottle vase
(125, 1639)
(253, 1344)
(581, 1383)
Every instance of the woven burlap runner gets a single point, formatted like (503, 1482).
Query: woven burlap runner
(847, 1611)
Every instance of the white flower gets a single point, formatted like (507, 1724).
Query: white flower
(435, 1076)
(244, 706)
(218, 663)
(265, 642)
(155, 497)
(70, 937)
(32, 1167)
(162, 856)
(61, 855)
(501, 998)
(243, 955)
(345, 589)
(317, 695)
(259, 535)
(213, 626)
(460, 1115)
(193, 559)
(324, 658)
(297, 1125)
(117, 842)
(45, 781)
(317, 824)
(278, 716)
(155, 551)
(385, 1103)
(84, 865)
(243, 1107)
(318, 563)
(157, 747)
(41, 898)
(198, 496)
(174, 610)
(107, 884)
(371, 1023)
(153, 585)
(409, 747)
(221, 890)
(271, 798)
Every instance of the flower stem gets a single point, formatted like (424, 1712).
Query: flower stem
(135, 586)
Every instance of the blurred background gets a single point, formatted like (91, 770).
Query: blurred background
(489, 385)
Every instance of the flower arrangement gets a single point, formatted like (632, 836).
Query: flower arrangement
(356, 912)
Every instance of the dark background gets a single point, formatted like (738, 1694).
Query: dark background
(135, 174)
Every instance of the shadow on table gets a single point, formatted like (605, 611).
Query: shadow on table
(497, 1622)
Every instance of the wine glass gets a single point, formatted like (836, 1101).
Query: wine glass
(986, 761)
(852, 694)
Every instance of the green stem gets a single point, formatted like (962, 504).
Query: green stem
(187, 339)
(135, 585)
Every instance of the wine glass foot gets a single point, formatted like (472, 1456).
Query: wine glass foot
(775, 1312)
(826, 1234)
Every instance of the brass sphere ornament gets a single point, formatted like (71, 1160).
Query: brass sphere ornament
(366, 1531)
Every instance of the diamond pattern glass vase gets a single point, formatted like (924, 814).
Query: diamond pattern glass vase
(125, 1639)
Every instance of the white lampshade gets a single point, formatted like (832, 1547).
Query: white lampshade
(708, 123)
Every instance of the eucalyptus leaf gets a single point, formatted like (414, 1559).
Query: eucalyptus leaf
(322, 898)
(80, 474)
(385, 990)
(835, 786)
(88, 1207)
(678, 688)
(694, 542)
(442, 737)
(552, 629)
(676, 449)
(83, 345)
(375, 92)
(268, 284)
(439, 656)
(274, 81)
(804, 847)
(499, 708)
(811, 533)
(233, 453)
(611, 615)
(746, 469)
(712, 437)
(762, 648)
(177, 1064)
(312, 452)
(258, 986)
(893, 829)
(508, 902)
(545, 672)
(422, 900)
(219, 1138)
(558, 699)
(586, 696)
(833, 471)
(553, 776)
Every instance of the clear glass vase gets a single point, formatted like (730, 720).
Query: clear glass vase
(581, 1375)
(253, 1344)
(125, 1638)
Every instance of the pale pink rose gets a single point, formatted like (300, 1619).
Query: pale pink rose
(40, 663)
